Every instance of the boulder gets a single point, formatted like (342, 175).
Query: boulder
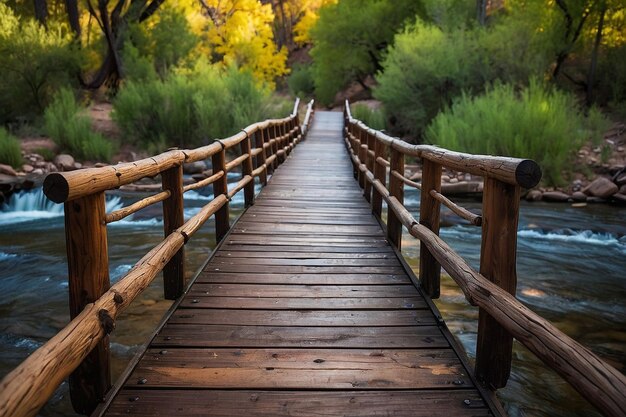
(619, 198)
(555, 196)
(621, 179)
(453, 180)
(601, 187)
(579, 196)
(445, 178)
(27, 168)
(622, 189)
(194, 167)
(64, 162)
(7, 170)
(416, 177)
(37, 171)
(534, 195)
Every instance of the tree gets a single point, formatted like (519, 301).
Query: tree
(350, 38)
(239, 33)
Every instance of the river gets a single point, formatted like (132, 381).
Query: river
(571, 270)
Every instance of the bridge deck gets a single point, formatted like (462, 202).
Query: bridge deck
(304, 310)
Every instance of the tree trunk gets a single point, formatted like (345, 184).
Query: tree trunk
(481, 11)
(594, 54)
(41, 11)
(71, 7)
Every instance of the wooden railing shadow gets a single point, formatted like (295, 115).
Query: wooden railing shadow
(81, 349)
(378, 161)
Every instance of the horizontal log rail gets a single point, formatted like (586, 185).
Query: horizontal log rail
(492, 289)
(72, 351)
(124, 212)
(462, 212)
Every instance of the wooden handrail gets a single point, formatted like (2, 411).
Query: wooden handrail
(490, 289)
(26, 389)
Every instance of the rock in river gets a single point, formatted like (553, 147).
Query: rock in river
(601, 187)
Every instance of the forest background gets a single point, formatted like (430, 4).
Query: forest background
(526, 78)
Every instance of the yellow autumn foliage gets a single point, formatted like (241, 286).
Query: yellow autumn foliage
(308, 10)
(239, 32)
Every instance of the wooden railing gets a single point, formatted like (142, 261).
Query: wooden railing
(378, 161)
(81, 349)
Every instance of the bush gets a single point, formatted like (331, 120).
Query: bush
(10, 152)
(300, 81)
(350, 39)
(538, 123)
(374, 118)
(424, 70)
(36, 62)
(189, 109)
(71, 129)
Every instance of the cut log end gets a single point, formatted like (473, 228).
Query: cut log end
(56, 187)
(528, 173)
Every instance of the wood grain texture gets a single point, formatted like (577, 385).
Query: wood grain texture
(88, 279)
(259, 403)
(304, 294)
(430, 208)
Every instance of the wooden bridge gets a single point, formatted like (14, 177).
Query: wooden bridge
(306, 307)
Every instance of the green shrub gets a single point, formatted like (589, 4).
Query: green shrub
(191, 108)
(374, 118)
(424, 70)
(71, 130)
(36, 61)
(10, 152)
(300, 81)
(538, 123)
(612, 79)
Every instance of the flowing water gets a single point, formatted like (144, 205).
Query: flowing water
(571, 270)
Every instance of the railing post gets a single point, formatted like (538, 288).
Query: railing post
(353, 149)
(261, 157)
(274, 135)
(280, 156)
(246, 169)
(173, 218)
(222, 222)
(369, 163)
(88, 278)
(396, 189)
(361, 153)
(430, 269)
(380, 174)
(497, 263)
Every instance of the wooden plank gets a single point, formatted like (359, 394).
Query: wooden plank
(226, 403)
(317, 303)
(354, 318)
(228, 253)
(259, 249)
(360, 262)
(305, 269)
(188, 335)
(299, 369)
(314, 291)
(303, 279)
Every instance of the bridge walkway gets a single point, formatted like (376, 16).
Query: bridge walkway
(304, 309)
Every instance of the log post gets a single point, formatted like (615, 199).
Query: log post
(173, 218)
(497, 263)
(88, 278)
(267, 137)
(354, 149)
(274, 135)
(361, 153)
(261, 157)
(430, 269)
(369, 163)
(380, 174)
(396, 189)
(280, 132)
(222, 221)
(246, 169)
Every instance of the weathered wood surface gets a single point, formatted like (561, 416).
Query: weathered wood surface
(305, 303)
